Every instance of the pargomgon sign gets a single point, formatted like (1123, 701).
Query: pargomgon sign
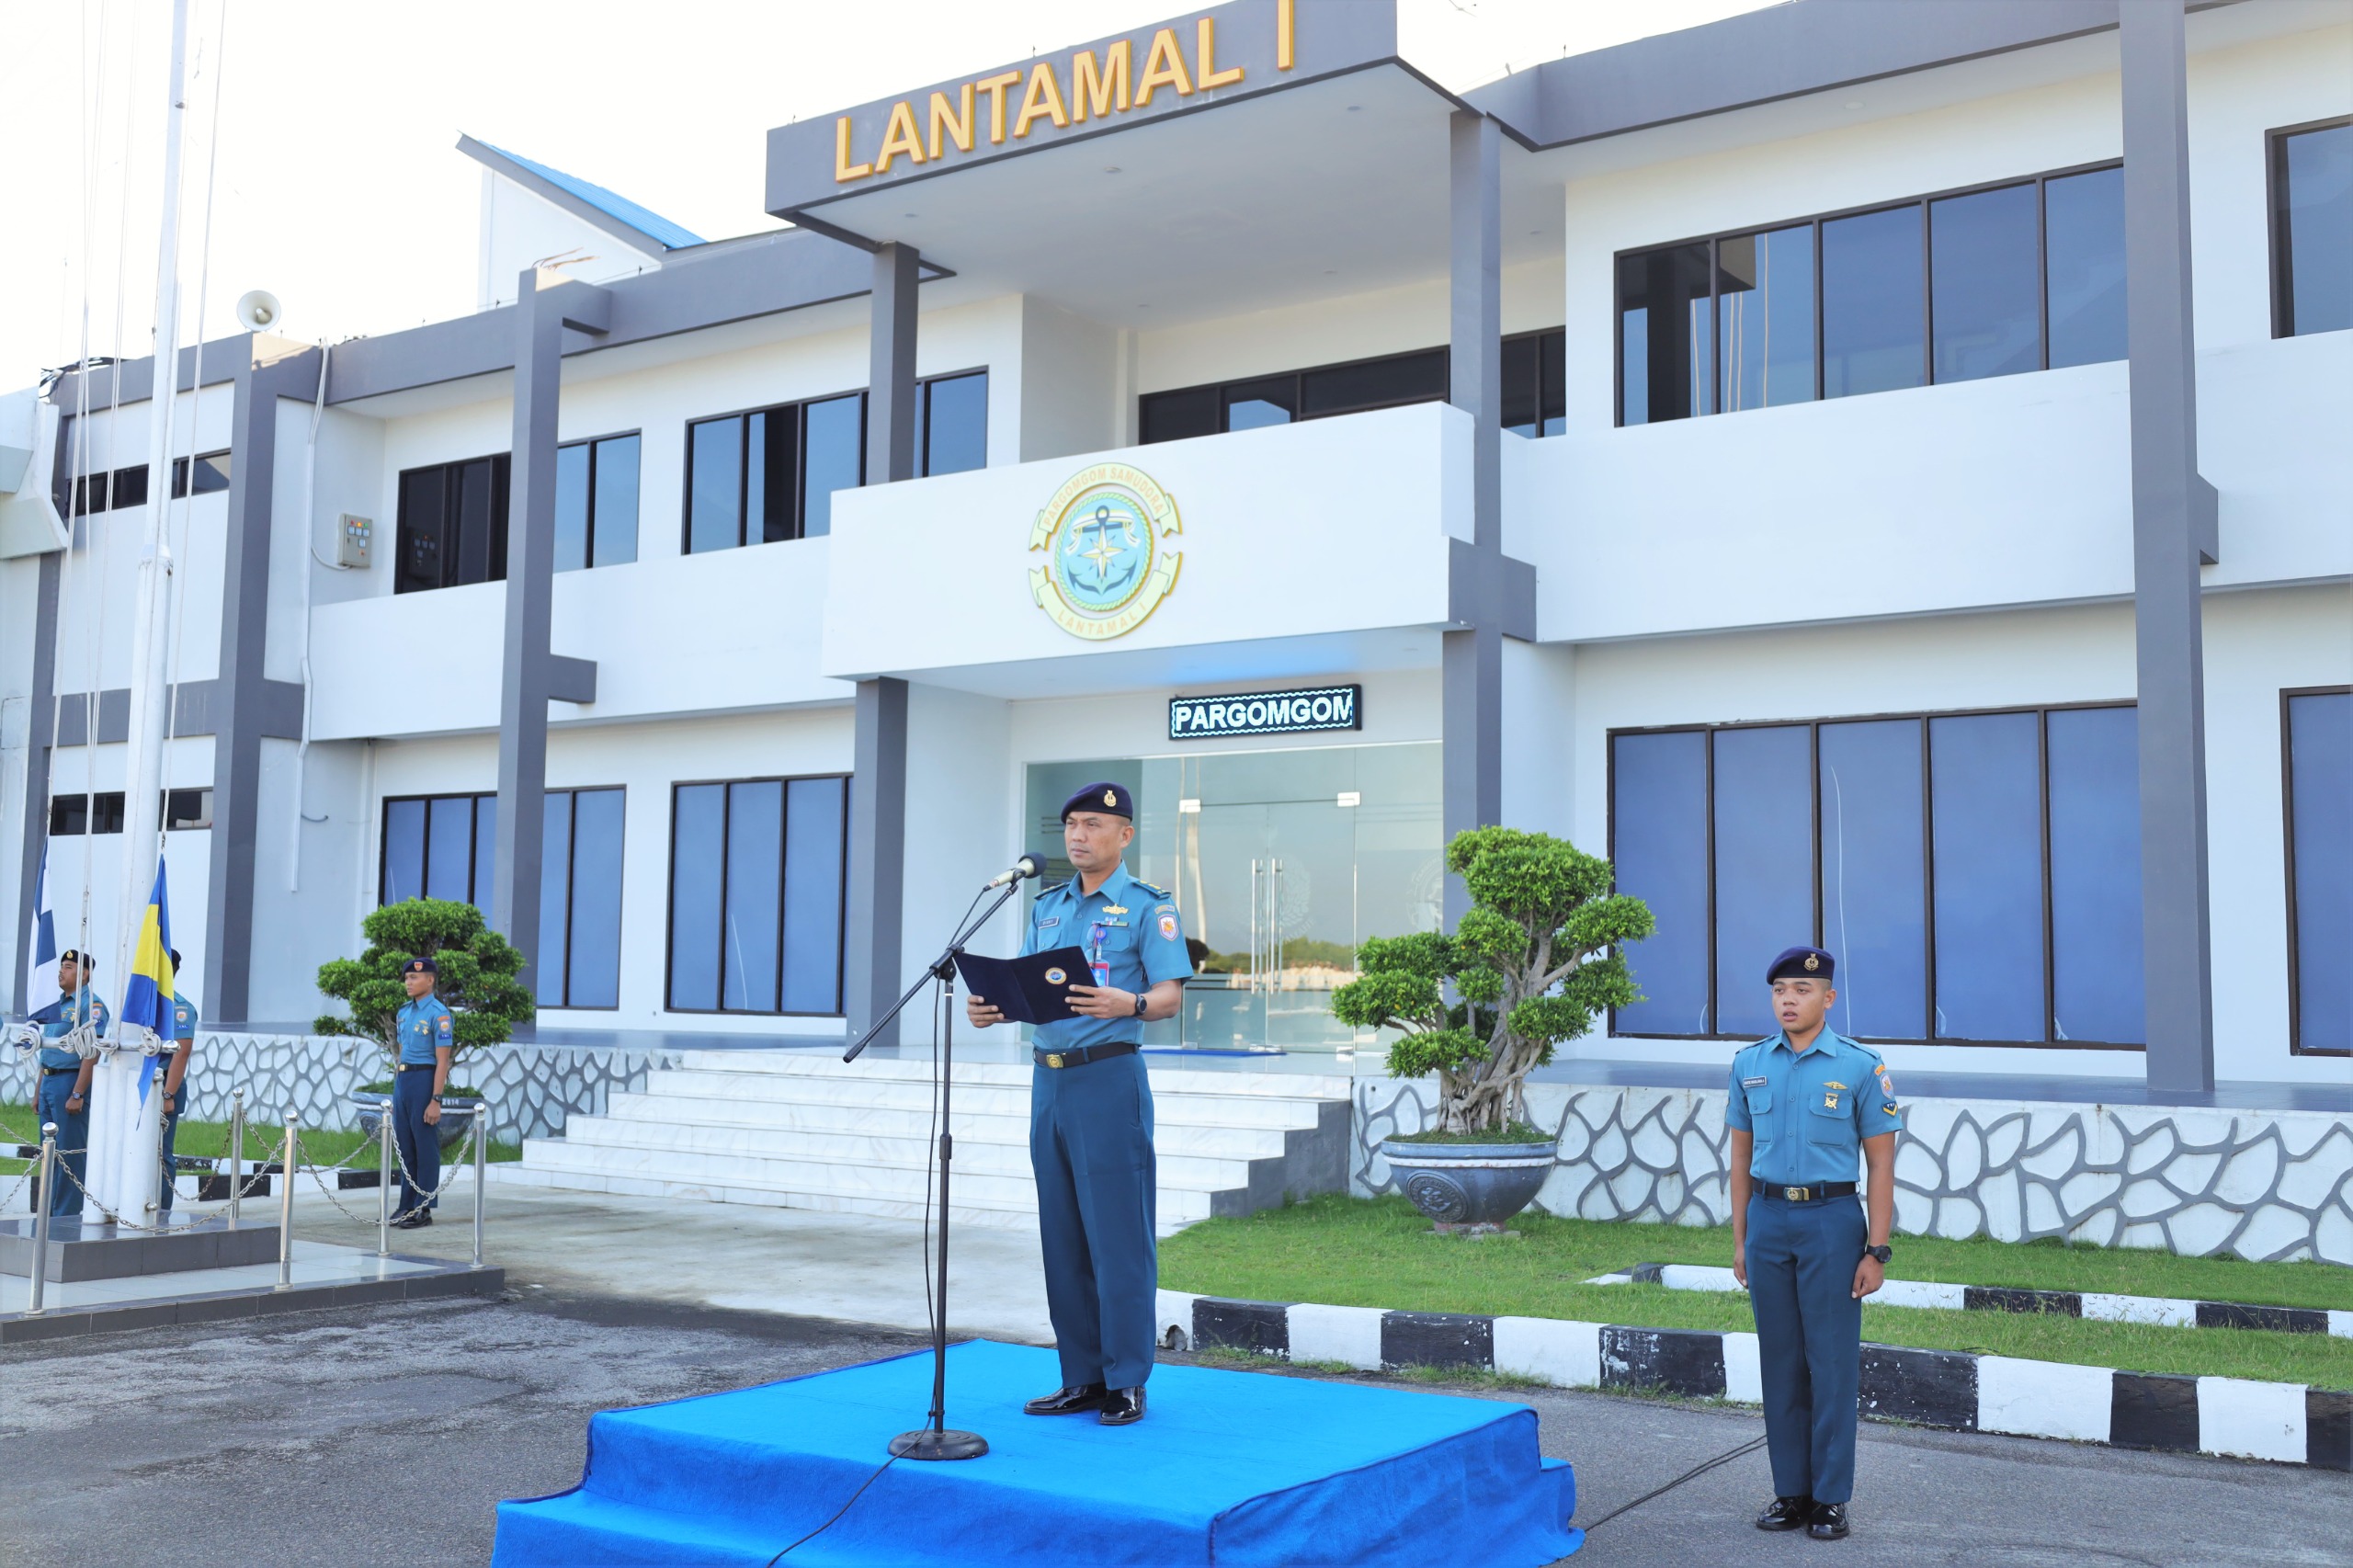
(1267, 713)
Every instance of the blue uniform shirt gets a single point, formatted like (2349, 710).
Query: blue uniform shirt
(1136, 931)
(183, 1020)
(63, 1016)
(424, 1023)
(1810, 1112)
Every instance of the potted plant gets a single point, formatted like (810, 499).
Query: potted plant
(477, 979)
(1539, 955)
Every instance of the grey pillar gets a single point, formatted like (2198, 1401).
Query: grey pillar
(39, 738)
(241, 702)
(1471, 656)
(891, 374)
(878, 791)
(878, 833)
(2172, 513)
(528, 679)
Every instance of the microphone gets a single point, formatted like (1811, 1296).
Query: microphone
(1028, 865)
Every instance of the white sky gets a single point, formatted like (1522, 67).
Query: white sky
(340, 185)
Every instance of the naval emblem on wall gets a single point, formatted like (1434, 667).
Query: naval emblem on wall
(1110, 540)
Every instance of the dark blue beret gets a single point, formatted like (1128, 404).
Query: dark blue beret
(1112, 800)
(1802, 963)
(421, 966)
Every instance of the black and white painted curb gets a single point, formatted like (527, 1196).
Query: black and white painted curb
(2170, 1311)
(2288, 1423)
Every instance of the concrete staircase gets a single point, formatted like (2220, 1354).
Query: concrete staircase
(806, 1130)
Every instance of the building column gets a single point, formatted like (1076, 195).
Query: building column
(546, 305)
(2172, 529)
(241, 701)
(1472, 652)
(877, 788)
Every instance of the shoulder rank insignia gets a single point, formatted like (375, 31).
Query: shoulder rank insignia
(1162, 894)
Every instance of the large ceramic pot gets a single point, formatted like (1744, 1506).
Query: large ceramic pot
(1470, 1186)
(457, 1112)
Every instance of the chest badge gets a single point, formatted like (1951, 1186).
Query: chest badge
(1830, 1101)
(1833, 1084)
(1115, 909)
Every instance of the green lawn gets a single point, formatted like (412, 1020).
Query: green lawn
(314, 1146)
(1380, 1253)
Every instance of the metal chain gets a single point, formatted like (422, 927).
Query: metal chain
(112, 1218)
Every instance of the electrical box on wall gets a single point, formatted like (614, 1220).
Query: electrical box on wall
(352, 537)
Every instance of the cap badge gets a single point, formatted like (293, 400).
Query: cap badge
(1812, 962)
(1110, 797)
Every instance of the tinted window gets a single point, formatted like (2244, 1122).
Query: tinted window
(756, 896)
(697, 839)
(593, 954)
(1764, 850)
(1765, 317)
(403, 875)
(571, 507)
(1374, 384)
(1872, 294)
(2083, 222)
(1659, 848)
(614, 536)
(955, 435)
(2096, 982)
(1874, 862)
(2313, 245)
(834, 458)
(1986, 807)
(1987, 284)
(211, 474)
(1664, 334)
(1179, 415)
(1271, 400)
(715, 484)
(813, 860)
(2320, 797)
(439, 847)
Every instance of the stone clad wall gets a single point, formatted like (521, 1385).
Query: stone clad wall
(2254, 1184)
(531, 1090)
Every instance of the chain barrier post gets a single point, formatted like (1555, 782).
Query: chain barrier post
(384, 1179)
(482, 1162)
(41, 1197)
(286, 1157)
(236, 1152)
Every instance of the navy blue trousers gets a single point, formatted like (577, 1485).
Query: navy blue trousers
(72, 1134)
(1802, 1259)
(419, 1144)
(1090, 1144)
(166, 1171)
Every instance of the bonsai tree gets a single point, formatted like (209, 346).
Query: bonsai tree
(1541, 952)
(477, 979)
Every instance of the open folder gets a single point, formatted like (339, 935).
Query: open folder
(1031, 990)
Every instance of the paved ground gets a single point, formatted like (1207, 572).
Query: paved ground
(345, 1440)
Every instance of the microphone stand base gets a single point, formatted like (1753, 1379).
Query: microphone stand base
(928, 1444)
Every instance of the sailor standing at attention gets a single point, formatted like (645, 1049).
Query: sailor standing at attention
(423, 1025)
(1090, 1109)
(1804, 1105)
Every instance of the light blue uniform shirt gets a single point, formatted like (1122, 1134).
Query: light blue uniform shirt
(1810, 1111)
(424, 1023)
(62, 1016)
(183, 1020)
(1136, 930)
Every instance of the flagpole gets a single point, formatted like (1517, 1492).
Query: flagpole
(125, 1129)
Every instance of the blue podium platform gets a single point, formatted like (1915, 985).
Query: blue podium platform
(1236, 1469)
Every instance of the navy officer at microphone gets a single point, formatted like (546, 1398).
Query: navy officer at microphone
(1090, 1109)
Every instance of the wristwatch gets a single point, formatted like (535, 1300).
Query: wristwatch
(1139, 1004)
(1881, 1252)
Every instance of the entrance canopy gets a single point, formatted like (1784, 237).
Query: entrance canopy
(1318, 166)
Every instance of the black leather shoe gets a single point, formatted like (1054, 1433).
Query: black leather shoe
(1829, 1522)
(1122, 1407)
(1787, 1514)
(1076, 1401)
(415, 1221)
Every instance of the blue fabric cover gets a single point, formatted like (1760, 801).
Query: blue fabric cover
(1237, 1469)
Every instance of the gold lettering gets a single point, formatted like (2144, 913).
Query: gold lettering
(1286, 28)
(1211, 76)
(994, 87)
(899, 136)
(1157, 74)
(1090, 93)
(843, 168)
(1043, 99)
(960, 129)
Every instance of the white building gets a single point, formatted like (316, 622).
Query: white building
(1732, 450)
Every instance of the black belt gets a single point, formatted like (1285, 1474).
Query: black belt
(53, 1071)
(1084, 1055)
(1806, 1194)
(414, 1066)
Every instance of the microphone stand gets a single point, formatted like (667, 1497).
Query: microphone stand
(937, 1441)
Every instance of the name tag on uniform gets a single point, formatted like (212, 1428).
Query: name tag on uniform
(1051, 920)
(1751, 1082)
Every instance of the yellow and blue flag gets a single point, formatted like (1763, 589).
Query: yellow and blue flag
(147, 998)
